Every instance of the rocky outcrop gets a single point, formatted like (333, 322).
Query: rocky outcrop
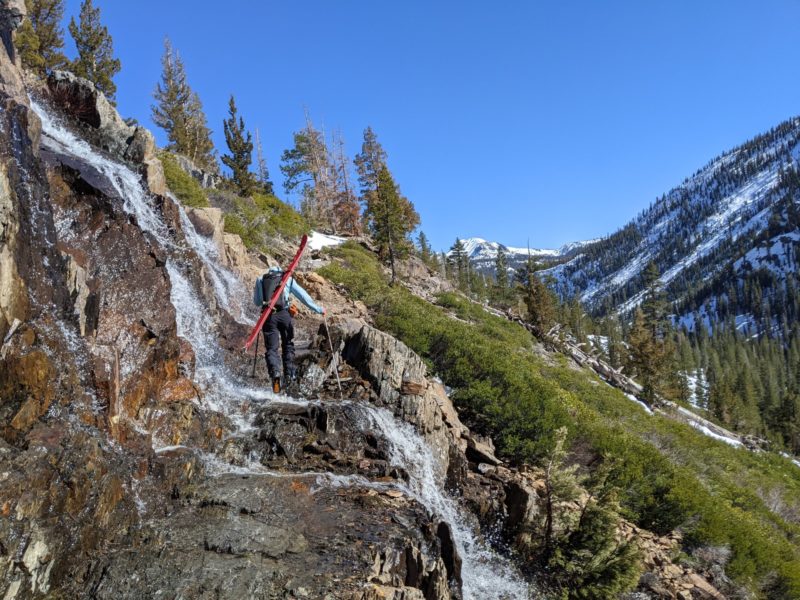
(206, 179)
(12, 13)
(420, 280)
(399, 379)
(13, 296)
(102, 125)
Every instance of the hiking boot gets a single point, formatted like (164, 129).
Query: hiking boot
(276, 385)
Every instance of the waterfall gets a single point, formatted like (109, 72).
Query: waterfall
(125, 182)
(486, 575)
(228, 289)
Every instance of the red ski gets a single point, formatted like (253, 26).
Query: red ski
(286, 274)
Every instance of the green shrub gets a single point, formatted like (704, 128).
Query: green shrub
(259, 219)
(281, 218)
(669, 476)
(183, 185)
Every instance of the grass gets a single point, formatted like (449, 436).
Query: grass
(669, 475)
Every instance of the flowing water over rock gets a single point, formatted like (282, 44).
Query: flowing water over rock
(485, 574)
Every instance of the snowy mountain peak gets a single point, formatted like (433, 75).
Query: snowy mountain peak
(481, 249)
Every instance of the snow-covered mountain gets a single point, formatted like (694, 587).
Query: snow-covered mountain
(482, 254)
(726, 242)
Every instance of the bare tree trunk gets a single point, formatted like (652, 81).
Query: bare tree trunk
(391, 260)
(261, 164)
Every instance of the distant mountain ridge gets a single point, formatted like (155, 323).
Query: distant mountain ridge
(726, 241)
(482, 253)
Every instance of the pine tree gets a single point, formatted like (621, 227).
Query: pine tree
(28, 47)
(617, 355)
(424, 247)
(574, 540)
(40, 39)
(539, 300)
(390, 218)
(369, 164)
(95, 60)
(240, 146)
(308, 166)
(179, 112)
(459, 259)
(652, 350)
(576, 318)
(262, 172)
(501, 275)
(788, 418)
(655, 304)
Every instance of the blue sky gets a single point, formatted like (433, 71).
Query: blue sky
(513, 121)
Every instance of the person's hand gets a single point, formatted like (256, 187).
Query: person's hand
(324, 312)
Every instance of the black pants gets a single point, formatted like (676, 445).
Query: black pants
(279, 331)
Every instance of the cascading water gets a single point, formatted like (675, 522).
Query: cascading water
(228, 289)
(485, 574)
(127, 184)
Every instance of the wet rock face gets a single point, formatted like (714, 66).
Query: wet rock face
(119, 292)
(100, 123)
(274, 537)
(326, 437)
(114, 471)
(399, 378)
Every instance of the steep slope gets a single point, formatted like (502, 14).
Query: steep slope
(735, 511)
(726, 230)
(137, 457)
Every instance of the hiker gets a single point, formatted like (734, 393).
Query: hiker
(278, 329)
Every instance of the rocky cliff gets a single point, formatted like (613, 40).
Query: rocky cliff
(138, 458)
(133, 459)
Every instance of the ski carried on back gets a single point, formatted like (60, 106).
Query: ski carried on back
(279, 290)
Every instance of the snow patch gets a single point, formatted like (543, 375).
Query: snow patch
(639, 402)
(317, 240)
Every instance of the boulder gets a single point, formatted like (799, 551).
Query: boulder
(481, 450)
(238, 259)
(210, 223)
(81, 100)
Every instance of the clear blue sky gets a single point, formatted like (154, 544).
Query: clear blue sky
(512, 121)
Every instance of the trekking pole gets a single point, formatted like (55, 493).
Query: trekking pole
(255, 359)
(333, 356)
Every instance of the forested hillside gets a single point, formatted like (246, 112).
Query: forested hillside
(725, 243)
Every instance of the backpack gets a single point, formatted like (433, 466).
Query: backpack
(269, 284)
